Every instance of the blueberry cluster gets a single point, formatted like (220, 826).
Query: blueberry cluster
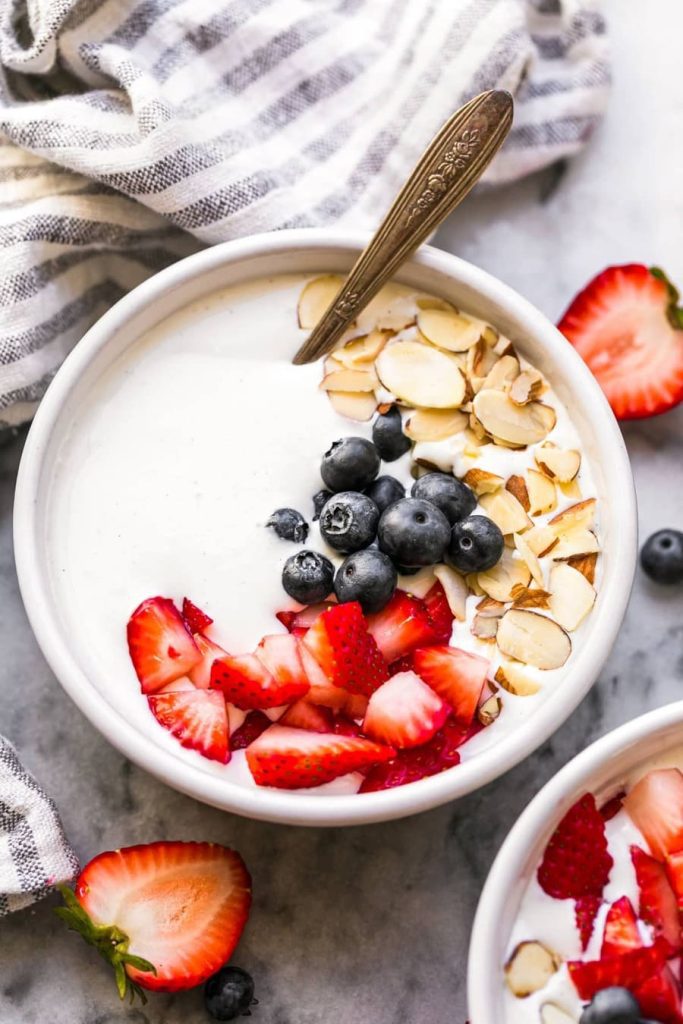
(382, 532)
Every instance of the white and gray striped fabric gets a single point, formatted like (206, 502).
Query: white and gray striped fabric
(34, 852)
(134, 131)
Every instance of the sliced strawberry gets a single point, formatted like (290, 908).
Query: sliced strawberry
(658, 905)
(180, 906)
(296, 759)
(440, 614)
(286, 618)
(299, 622)
(628, 970)
(674, 871)
(610, 809)
(659, 998)
(194, 618)
(626, 325)
(457, 676)
(348, 655)
(304, 715)
(655, 806)
(198, 719)
(415, 763)
(402, 664)
(404, 712)
(401, 626)
(576, 861)
(280, 655)
(251, 728)
(161, 648)
(246, 682)
(621, 933)
(178, 685)
(344, 726)
(201, 673)
(585, 912)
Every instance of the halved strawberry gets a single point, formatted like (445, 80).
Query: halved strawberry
(655, 806)
(576, 861)
(658, 905)
(198, 719)
(585, 911)
(201, 673)
(629, 970)
(166, 915)
(628, 328)
(160, 646)
(304, 715)
(295, 759)
(659, 998)
(401, 626)
(621, 929)
(404, 712)
(194, 618)
(246, 682)
(348, 655)
(457, 676)
(251, 728)
(440, 614)
(415, 763)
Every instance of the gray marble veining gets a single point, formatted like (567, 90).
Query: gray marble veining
(371, 925)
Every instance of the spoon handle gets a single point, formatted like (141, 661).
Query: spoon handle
(446, 172)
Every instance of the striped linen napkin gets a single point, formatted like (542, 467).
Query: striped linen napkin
(133, 132)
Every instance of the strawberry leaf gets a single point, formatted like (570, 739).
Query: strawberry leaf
(674, 312)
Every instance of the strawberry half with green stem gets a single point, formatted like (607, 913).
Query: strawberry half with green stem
(627, 326)
(197, 718)
(166, 915)
(344, 649)
(576, 861)
(160, 645)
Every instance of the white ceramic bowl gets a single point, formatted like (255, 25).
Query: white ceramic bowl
(602, 769)
(324, 251)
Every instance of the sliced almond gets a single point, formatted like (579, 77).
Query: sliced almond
(499, 581)
(349, 380)
(541, 540)
(421, 375)
(542, 493)
(478, 431)
(551, 1013)
(354, 405)
(504, 347)
(530, 968)
(571, 596)
(505, 511)
(360, 351)
(571, 489)
(435, 424)
(487, 608)
(483, 628)
(456, 590)
(490, 710)
(435, 302)
(532, 562)
(558, 463)
(472, 581)
(527, 387)
(530, 597)
(517, 485)
(585, 564)
(331, 365)
(513, 679)
(316, 297)
(580, 515)
(480, 361)
(483, 482)
(448, 330)
(533, 639)
(514, 424)
(575, 542)
(502, 373)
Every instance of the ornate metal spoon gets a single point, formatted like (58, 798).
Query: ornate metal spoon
(449, 167)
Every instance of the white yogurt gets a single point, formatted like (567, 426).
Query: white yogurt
(173, 463)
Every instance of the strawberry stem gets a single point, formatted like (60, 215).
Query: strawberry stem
(674, 312)
(109, 941)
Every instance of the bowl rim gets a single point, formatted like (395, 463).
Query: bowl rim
(543, 813)
(281, 805)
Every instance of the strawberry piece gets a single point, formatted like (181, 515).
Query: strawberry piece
(626, 325)
(674, 871)
(659, 998)
(299, 622)
(457, 676)
(403, 664)
(404, 712)
(286, 618)
(401, 626)
(280, 655)
(585, 912)
(181, 907)
(416, 763)
(655, 806)
(576, 861)
(160, 646)
(440, 614)
(658, 905)
(629, 970)
(295, 759)
(247, 683)
(343, 726)
(304, 715)
(194, 618)
(251, 728)
(201, 673)
(612, 807)
(348, 655)
(178, 686)
(198, 719)
(621, 929)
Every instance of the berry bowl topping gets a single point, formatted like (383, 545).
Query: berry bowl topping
(582, 906)
(329, 593)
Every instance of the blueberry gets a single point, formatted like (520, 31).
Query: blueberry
(351, 464)
(229, 993)
(319, 500)
(455, 499)
(612, 1006)
(413, 532)
(476, 544)
(308, 576)
(368, 577)
(348, 521)
(384, 491)
(662, 556)
(387, 433)
(289, 525)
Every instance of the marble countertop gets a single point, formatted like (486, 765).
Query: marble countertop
(371, 925)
